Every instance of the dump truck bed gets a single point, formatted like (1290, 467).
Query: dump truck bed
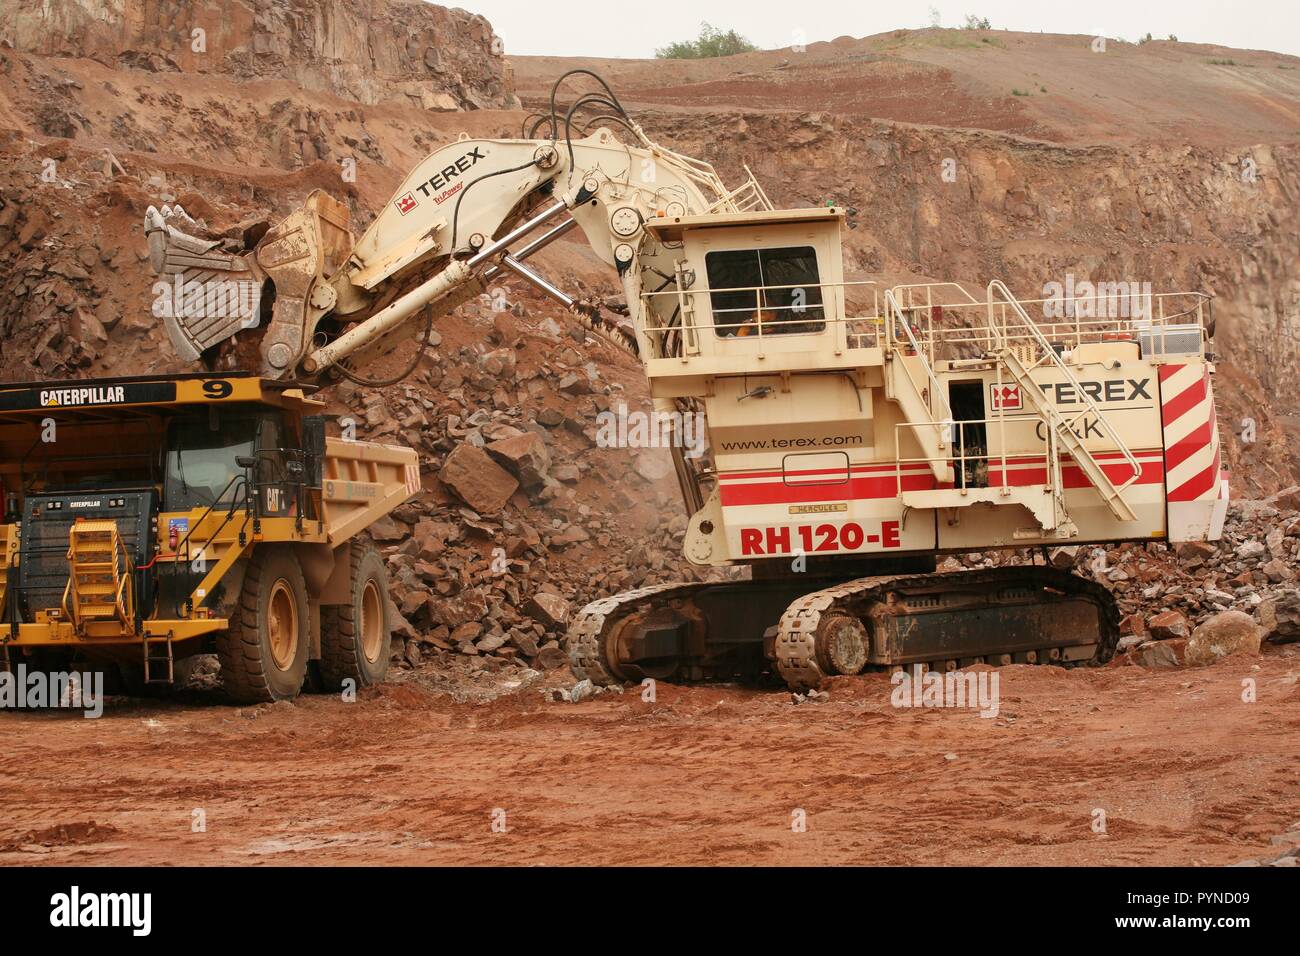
(364, 481)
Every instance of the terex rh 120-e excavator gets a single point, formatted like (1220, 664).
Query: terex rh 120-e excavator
(855, 432)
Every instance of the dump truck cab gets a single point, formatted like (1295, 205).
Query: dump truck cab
(142, 514)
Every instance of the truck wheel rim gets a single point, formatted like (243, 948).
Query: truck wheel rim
(282, 623)
(372, 621)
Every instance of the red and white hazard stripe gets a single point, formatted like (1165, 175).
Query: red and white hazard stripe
(873, 482)
(1191, 433)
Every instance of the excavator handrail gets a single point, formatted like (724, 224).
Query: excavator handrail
(894, 312)
(703, 174)
(996, 286)
(1146, 318)
(959, 456)
(828, 305)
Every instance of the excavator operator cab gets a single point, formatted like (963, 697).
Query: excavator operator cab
(750, 283)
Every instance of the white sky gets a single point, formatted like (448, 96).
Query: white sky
(536, 27)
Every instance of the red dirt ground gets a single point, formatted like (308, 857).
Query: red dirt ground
(1186, 772)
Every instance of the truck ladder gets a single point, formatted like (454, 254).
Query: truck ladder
(1062, 427)
(159, 668)
(6, 550)
(99, 582)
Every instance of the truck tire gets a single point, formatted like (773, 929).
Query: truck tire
(264, 652)
(356, 638)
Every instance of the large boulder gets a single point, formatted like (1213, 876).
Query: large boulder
(1279, 616)
(1278, 571)
(1064, 558)
(550, 610)
(1159, 653)
(1188, 550)
(525, 456)
(1287, 499)
(477, 480)
(1230, 632)
(469, 606)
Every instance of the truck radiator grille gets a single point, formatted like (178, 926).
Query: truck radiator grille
(47, 520)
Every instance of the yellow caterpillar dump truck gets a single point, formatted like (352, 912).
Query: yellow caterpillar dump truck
(147, 520)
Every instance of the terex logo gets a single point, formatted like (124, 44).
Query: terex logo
(406, 203)
(449, 173)
(1111, 390)
(1005, 397)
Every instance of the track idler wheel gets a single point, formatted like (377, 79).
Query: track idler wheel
(840, 644)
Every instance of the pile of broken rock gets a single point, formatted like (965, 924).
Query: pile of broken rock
(524, 517)
(1203, 601)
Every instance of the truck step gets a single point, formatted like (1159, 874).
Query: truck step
(159, 663)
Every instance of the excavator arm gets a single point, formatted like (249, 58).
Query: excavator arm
(470, 211)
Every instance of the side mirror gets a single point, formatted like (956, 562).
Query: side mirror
(245, 461)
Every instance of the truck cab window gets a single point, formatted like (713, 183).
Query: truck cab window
(781, 311)
(201, 461)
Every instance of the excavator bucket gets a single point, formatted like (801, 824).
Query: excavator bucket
(217, 287)
(196, 266)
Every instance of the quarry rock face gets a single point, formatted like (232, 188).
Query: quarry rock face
(369, 51)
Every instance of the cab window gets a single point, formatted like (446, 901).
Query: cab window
(201, 460)
(797, 308)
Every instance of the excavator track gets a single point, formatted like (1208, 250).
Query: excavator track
(721, 630)
(589, 628)
(706, 630)
(1012, 606)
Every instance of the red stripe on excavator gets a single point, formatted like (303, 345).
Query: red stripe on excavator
(856, 469)
(1181, 450)
(1205, 483)
(855, 489)
(1153, 473)
(1174, 407)
(889, 468)
(886, 486)
(1200, 486)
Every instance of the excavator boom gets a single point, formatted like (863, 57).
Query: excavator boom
(471, 210)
